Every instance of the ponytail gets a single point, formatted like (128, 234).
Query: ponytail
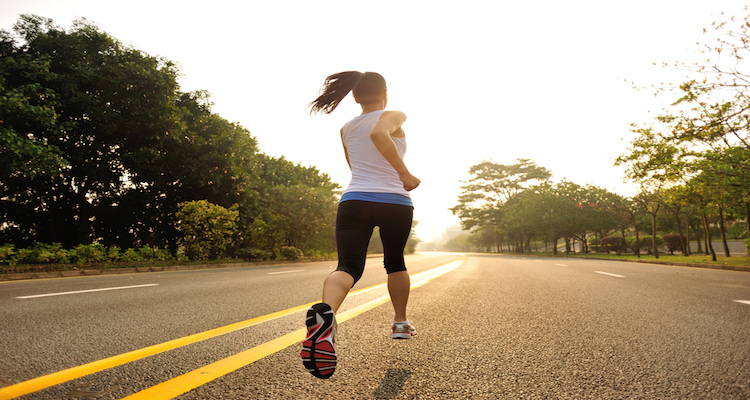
(337, 86)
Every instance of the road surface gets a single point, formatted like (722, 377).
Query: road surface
(489, 326)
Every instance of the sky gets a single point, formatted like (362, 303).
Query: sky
(545, 80)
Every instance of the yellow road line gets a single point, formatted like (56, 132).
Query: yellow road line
(56, 378)
(184, 383)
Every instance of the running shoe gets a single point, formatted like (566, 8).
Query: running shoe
(403, 330)
(318, 353)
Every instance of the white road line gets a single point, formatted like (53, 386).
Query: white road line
(606, 273)
(284, 272)
(561, 265)
(743, 301)
(86, 291)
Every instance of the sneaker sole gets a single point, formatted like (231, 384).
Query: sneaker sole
(401, 336)
(318, 353)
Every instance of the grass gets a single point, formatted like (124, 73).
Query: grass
(738, 261)
(25, 268)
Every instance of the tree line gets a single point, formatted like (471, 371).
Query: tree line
(100, 146)
(692, 167)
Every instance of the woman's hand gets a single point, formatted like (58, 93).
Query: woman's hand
(410, 181)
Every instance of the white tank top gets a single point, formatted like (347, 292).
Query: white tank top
(371, 172)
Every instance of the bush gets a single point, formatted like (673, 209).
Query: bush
(253, 254)
(631, 242)
(130, 255)
(747, 246)
(617, 244)
(291, 253)
(6, 252)
(672, 241)
(646, 243)
(89, 253)
(113, 254)
(21, 256)
(207, 229)
(319, 254)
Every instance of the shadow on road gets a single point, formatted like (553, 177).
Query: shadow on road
(392, 383)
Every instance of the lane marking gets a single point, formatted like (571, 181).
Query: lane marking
(561, 265)
(43, 382)
(184, 383)
(743, 301)
(86, 291)
(285, 272)
(607, 273)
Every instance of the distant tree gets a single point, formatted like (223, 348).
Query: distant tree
(490, 186)
(651, 200)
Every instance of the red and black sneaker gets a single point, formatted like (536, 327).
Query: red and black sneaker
(318, 353)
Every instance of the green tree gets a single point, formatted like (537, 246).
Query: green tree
(109, 101)
(491, 186)
(29, 126)
(651, 200)
(706, 133)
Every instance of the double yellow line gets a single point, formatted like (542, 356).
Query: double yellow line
(200, 376)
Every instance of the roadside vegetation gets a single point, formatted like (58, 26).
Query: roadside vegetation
(692, 165)
(107, 163)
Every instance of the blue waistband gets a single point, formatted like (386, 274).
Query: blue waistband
(390, 198)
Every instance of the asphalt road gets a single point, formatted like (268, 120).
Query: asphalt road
(495, 327)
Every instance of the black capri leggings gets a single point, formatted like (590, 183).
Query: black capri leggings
(355, 221)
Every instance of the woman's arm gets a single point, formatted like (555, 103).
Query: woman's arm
(346, 152)
(390, 123)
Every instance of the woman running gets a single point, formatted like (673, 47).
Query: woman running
(378, 195)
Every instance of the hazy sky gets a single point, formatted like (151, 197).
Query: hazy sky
(495, 80)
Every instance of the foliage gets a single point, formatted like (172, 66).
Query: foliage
(613, 243)
(648, 241)
(635, 244)
(26, 109)
(252, 254)
(459, 243)
(6, 252)
(701, 145)
(207, 229)
(491, 186)
(675, 242)
(747, 245)
(291, 253)
(99, 145)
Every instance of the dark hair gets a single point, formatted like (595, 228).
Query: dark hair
(337, 86)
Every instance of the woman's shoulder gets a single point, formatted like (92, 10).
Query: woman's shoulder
(396, 116)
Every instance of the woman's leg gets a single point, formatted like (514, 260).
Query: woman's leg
(395, 227)
(398, 288)
(353, 233)
(335, 289)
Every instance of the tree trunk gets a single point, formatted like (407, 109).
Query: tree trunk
(637, 244)
(723, 233)
(554, 245)
(528, 243)
(683, 245)
(709, 245)
(653, 235)
(698, 240)
(687, 236)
